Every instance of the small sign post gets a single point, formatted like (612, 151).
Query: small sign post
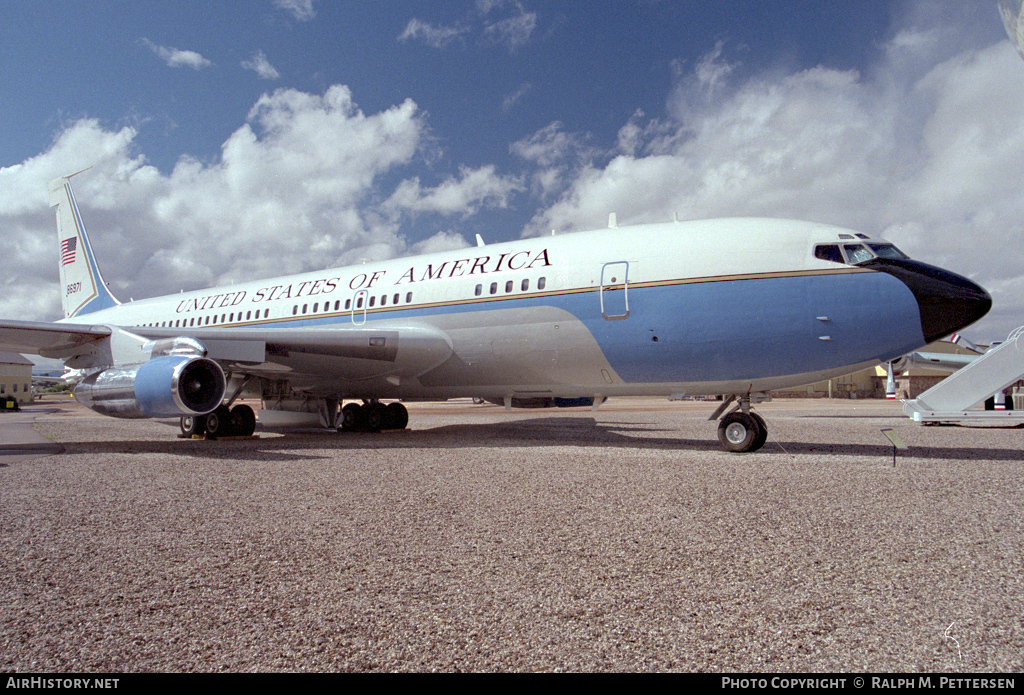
(897, 443)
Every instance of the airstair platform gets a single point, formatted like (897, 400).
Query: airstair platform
(955, 399)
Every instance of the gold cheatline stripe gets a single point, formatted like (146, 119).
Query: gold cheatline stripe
(556, 293)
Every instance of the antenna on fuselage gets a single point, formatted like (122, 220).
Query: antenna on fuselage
(612, 221)
(480, 240)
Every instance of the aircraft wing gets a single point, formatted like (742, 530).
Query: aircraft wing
(58, 340)
(352, 352)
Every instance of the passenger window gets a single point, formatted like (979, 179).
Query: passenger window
(508, 286)
(337, 304)
(828, 253)
(479, 290)
(542, 283)
(248, 315)
(316, 307)
(394, 300)
(359, 303)
(408, 298)
(494, 288)
(383, 300)
(266, 313)
(526, 285)
(295, 311)
(373, 300)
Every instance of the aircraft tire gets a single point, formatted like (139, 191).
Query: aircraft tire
(739, 432)
(193, 425)
(353, 418)
(218, 423)
(762, 435)
(396, 416)
(243, 421)
(376, 416)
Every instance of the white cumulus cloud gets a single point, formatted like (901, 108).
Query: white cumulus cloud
(301, 10)
(261, 66)
(464, 195)
(512, 31)
(433, 36)
(177, 58)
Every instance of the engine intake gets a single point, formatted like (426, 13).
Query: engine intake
(169, 386)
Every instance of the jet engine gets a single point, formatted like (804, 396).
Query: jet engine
(166, 386)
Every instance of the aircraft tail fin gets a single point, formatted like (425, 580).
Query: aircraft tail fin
(81, 285)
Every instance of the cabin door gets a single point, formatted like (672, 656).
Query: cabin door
(359, 307)
(615, 291)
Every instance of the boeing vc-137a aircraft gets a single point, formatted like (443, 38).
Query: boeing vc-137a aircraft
(730, 307)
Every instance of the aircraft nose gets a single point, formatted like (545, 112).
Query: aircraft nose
(947, 301)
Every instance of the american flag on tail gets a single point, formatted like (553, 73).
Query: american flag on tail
(67, 250)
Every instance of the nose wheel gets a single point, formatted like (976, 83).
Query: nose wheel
(742, 432)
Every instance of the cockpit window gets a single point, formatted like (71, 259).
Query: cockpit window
(887, 251)
(856, 253)
(828, 252)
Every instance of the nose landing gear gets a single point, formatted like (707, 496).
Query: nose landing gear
(742, 430)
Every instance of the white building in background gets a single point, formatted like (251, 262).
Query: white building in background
(15, 377)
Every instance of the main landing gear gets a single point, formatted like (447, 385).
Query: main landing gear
(742, 430)
(373, 416)
(239, 421)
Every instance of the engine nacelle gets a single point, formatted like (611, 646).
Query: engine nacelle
(169, 386)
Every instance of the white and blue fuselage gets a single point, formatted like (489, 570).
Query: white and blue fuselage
(731, 307)
(705, 307)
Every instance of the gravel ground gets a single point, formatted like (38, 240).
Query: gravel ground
(622, 540)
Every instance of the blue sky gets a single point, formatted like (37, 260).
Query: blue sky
(232, 141)
(589, 65)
